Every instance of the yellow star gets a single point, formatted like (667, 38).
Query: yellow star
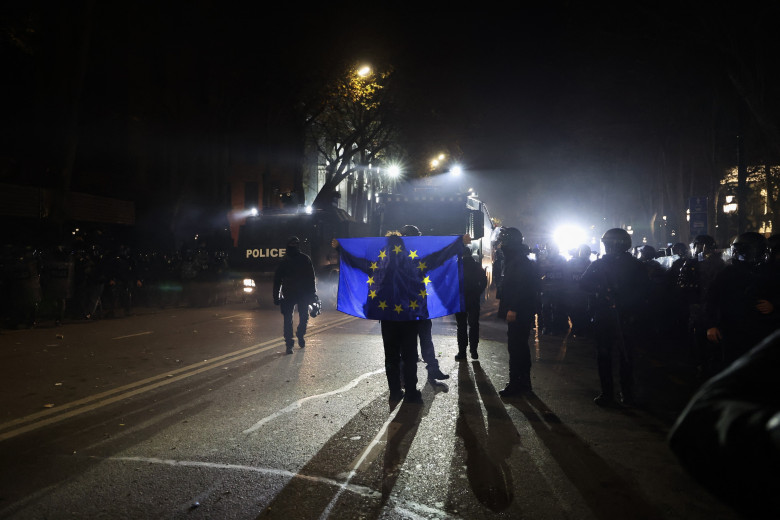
(397, 249)
(373, 266)
(412, 254)
(426, 280)
(413, 304)
(421, 266)
(398, 309)
(370, 280)
(372, 294)
(382, 254)
(383, 305)
(423, 293)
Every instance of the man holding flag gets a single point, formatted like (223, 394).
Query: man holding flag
(400, 281)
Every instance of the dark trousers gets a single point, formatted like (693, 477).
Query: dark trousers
(519, 353)
(400, 342)
(427, 350)
(611, 336)
(468, 329)
(287, 307)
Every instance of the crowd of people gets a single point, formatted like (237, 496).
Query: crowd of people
(91, 280)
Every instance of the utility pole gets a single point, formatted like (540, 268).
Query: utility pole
(741, 185)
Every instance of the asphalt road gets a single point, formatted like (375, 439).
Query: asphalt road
(198, 413)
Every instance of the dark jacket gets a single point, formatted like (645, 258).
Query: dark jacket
(295, 278)
(617, 283)
(521, 287)
(474, 281)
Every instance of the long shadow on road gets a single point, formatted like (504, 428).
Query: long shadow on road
(607, 494)
(342, 479)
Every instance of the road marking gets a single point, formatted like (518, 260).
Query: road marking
(134, 335)
(58, 413)
(297, 404)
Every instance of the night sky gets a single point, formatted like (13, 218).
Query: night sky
(566, 108)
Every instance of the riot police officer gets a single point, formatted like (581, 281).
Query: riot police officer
(741, 307)
(576, 299)
(520, 300)
(294, 286)
(693, 282)
(618, 285)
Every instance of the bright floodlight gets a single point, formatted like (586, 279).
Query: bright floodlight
(394, 171)
(568, 237)
(364, 71)
(253, 212)
(456, 170)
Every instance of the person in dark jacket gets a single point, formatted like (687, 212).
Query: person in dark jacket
(618, 285)
(742, 305)
(294, 286)
(474, 284)
(728, 436)
(520, 300)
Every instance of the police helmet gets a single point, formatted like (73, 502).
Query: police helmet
(584, 251)
(293, 242)
(315, 307)
(616, 240)
(410, 231)
(681, 250)
(510, 238)
(749, 248)
(773, 248)
(645, 253)
(703, 243)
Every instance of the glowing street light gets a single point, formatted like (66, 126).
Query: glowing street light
(364, 71)
(456, 170)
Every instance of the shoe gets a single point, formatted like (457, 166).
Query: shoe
(396, 396)
(413, 396)
(604, 400)
(474, 354)
(626, 399)
(510, 390)
(437, 374)
(288, 351)
(301, 342)
(460, 357)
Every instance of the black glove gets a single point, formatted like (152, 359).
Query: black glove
(276, 301)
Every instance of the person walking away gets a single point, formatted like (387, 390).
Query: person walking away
(474, 284)
(618, 284)
(519, 302)
(294, 287)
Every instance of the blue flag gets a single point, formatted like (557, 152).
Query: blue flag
(401, 278)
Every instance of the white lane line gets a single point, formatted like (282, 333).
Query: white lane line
(403, 506)
(40, 419)
(353, 471)
(297, 404)
(134, 335)
(361, 490)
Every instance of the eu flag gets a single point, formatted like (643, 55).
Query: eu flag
(401, 278)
